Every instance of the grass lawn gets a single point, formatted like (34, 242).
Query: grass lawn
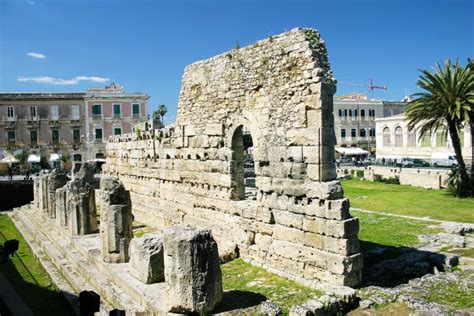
(408, 200)
(381, 231)
(27, 276)
(242, 276)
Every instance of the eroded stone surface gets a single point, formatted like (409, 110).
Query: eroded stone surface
(115, 221)
(280, 90)
(146, 258)
(192, 273)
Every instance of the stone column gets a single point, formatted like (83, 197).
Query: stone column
(56, 180)
(192, 270)
(81, 210)
(61, 206)
(115, 221)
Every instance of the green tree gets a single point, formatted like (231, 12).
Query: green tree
(446, 102)
(162, 110)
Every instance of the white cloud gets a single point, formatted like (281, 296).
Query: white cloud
(59, 81)
(30, 2)
(36, 55)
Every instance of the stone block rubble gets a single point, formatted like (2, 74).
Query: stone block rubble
(192, 273)
(146, 258)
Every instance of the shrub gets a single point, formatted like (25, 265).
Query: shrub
(359, 173)
(391, 180)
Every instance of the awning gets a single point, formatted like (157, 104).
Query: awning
(54, 157)
(9, 159)
(97, 160)
(351, 151)
(34, 158)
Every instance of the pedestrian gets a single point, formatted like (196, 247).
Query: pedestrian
(353, 161)
(27, 173)
(383, 161)
(10, 173)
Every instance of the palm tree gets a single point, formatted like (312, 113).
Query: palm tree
(162, 110)
(448, 101)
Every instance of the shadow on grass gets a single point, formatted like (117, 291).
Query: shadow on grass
(40, 300)
(389, 266)
(235, 299)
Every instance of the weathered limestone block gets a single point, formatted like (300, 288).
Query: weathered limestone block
(115, 221)
(56, 180)
(81, 210)
(61, 206)
(146, 258)
(192, 273)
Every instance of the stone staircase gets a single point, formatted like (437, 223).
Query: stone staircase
(75, 264)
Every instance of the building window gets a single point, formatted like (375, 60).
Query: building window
(55, 136)
(11, 137)
(99, 156)
(117, 111)
(340, 112)
(398, 137)
(426, 140)
(76, 135)
(386, 137)
(77, 158)
(441, 139)
(355, 113)
(33, 137)
(343, 133)
(372, 113)
(54, 113)
(97, 110)
(353, 132)
(372, 132)
(75, 114)
(362, 132)
(411, 139)
(350, 113)
(362, 113)
(117, 131)
(345, 113)
(98, 134)
(10, 113)
(136, 109)
(33, 113)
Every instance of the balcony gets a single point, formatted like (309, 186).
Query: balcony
(74, 117)
(97, 116)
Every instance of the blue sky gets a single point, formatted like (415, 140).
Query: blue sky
(145, 45)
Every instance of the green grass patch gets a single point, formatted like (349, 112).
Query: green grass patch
(463, 252)
(408, 200)
(392, 309)
(27, 276)
(388, 232)
(451, 294)
(242, 276)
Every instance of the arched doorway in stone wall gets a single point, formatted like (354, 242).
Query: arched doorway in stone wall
(243, 165)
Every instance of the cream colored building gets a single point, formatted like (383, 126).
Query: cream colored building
(395, 141)
(355, 115)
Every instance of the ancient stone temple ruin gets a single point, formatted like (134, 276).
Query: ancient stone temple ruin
(247, 170)
(275, 95)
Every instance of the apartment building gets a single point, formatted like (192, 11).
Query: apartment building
(74, 124)
(354, 119)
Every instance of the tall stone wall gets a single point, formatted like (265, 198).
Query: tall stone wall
(281, 91)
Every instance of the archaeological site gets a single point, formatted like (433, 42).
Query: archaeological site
(265, 109)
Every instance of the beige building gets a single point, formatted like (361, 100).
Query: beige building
(395, 141)
(74, 124)
(354, 119)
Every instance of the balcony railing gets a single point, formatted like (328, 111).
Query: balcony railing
(97, 116)
(10, 119)
(54, 118)
(74, 117)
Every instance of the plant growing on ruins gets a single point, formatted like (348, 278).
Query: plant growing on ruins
(447, 101)
(22, 157)
(65, 158)
(138, 132)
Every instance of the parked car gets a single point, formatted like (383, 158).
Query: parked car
(444, 160)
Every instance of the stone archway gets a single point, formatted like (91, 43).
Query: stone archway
(242, 165)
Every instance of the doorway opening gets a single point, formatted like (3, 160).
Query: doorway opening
(243, 166)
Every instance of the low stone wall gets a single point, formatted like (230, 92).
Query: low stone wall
(425, 178)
